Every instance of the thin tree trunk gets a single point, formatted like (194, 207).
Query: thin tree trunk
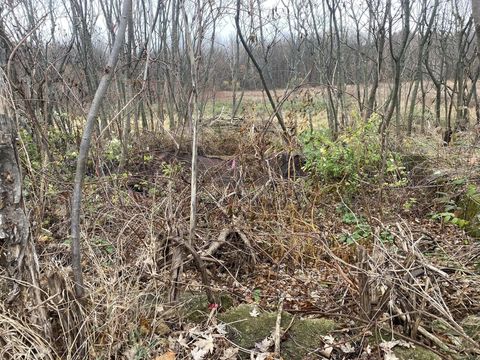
(398, 61)
(424, 106)
(275, 108)
(85, 146)
(380, 44)
(419, 70)
(476, 19)
(194, 57)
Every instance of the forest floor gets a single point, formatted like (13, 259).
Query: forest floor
(391, 267)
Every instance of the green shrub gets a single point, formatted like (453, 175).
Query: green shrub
(354, 155)
(113, 150)
(362, 229)
(32, 150)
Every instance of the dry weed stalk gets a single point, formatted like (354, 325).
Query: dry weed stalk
(399, 285)
(20, 337)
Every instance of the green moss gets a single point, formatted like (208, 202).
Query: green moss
(247, 330)
(439, 326)
(416, 353)
(195, 307)
(405, 353)
(304, 336)
(471, 326)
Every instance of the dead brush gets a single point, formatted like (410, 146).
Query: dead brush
(249, 214)
(125, 275)
(283, 213)
(281, 224)
(19, 338)
(399, 292)
(119, 313)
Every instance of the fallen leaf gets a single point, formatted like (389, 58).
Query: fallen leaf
(347, 348)
(368, 350)
(387, 347)
(254, 312)
(181, 340)
(202, 347)
(144, 326)
(328, 339)
(229, 354)
(169, 355)
(196, 331)
(221, 329)
(327, 348)
(264, 356)
(390, 356)
(264, 345)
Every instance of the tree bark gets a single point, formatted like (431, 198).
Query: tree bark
(418, 70)
(14, 227)
(379, 44)
(398, 62)
(476, 19)
(17, 252)
(85, 146)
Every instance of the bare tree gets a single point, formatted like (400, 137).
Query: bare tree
(476, 19)
(398, 58)
(18, 256)
(85, 146)
(425, 30)
(276, 109)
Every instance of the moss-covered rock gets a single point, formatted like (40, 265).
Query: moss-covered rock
(304, 336)
(404, 351)
(195, 307)
(246, 330)
(414, 353)
(248, 326)
(471, 326)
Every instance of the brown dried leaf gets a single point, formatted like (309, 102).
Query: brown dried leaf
(169, 355)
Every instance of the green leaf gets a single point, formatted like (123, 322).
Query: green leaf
(256, 295)
(349, 218)
(459, 181)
